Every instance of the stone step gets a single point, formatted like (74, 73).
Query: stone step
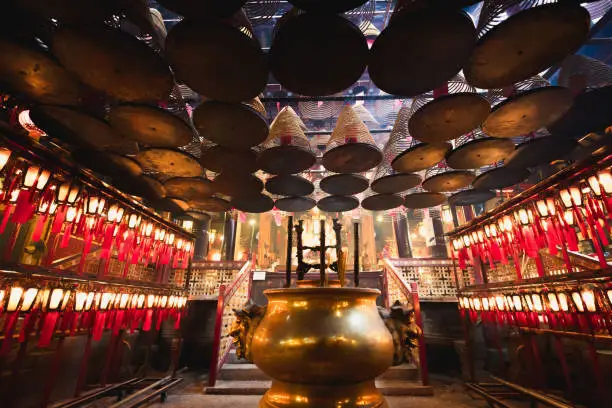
(242, 372)
(401, 388)
(232, 358)
(239, 388)
(402, 372)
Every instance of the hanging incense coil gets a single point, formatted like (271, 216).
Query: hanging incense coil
(287, 150)
(337, 203)
(210, 204)
(320, 110)
(189, 188)
(289, 185)
(528, 111)
(351, 148)
(238, 185)
(325, 6)
(476, 150)
(419, 50)
(197, 214)
(441, 179)
(454, 110)
(171, 163)
(344, 184)
(141, 186)
(107, 163)
(333, 40)
(470, 197)
(500, 177)
(541, 150)
(579, 72)
(423, 199)
(255, 205)
(217, 60)
(591, 112)
(222, 159)
(150, 126)
(411, 155)
(172, 205)
(387, 180)
(526, 43)
(36, 75)
(233, 125)
(295, 204)
(381, 202)
(80, 128)
(113, 62)
(203, 9)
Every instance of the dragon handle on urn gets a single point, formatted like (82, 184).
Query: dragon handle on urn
(405, 332)
(243, 328)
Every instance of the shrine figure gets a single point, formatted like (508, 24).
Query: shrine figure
(243, 328)
(402, 325)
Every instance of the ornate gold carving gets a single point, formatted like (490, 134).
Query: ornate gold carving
(243, 328)
(405, 332)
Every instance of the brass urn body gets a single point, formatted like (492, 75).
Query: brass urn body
(323, 347)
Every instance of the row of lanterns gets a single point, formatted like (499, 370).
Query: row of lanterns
(50, 306)
(587, 309)
(29, 191)
(548, 222)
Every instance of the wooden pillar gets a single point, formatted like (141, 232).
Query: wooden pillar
(322, 252)
(356, 256)
(289, 249)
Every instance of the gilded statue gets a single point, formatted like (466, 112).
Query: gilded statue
(243, 328)
(402, 325)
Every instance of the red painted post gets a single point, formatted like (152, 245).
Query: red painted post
(386, 286)
(212, 377)
(419, 321)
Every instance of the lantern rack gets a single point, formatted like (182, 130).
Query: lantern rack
(31, 150)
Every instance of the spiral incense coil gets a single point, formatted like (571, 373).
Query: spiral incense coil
(326, 6)
(541, 150)
(217, 60)
(171, 163)
(500, 177)
(419, 50)
(189, 188)
(233, 125)
(591, 112)
(470, 197)
(351, 148)
(255, 204)
(534, 38)
(150, 126)
(114, 62)
(411, 155)
(322, 37)
(441, 179)
(210, 204)
(295, 204)
(381, 202)
(476, 150)
(286, 150)
(221, 159)
(203, 9)
(528, 111)
(289, 185)
(36, 75)
(80, 128)
(337, 203)
(344, 184)
(387, 180)
(423, 199)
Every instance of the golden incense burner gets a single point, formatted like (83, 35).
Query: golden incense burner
(323, 347)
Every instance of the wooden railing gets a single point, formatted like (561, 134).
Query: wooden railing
(396, 288)
(437, 278)
(232, 296)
